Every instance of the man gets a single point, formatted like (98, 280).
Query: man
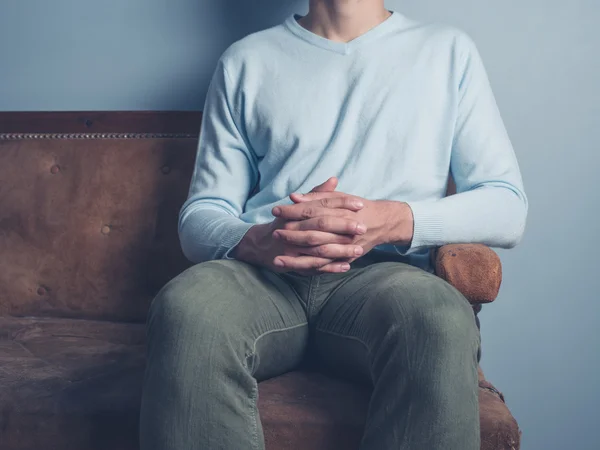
(383, 108)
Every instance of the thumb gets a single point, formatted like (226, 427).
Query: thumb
(327, 186)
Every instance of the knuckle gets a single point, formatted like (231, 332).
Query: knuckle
(314, 262)
(308, 212)
(321, 251)
(322, 223)
(342, 240)
(312, 239)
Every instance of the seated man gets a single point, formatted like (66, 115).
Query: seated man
(317, 196)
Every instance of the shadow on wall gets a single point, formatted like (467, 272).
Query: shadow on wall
(241, 17)
(221, 24)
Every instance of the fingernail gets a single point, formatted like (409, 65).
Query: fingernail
(276, 234)
(358, 251)
(276, 211)
(278, 263)
(361, 228)
(298, 194)
(345, 267)
(358, 204)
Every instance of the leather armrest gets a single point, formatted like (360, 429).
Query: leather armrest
(474, 269)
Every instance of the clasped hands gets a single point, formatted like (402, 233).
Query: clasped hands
(324, 231)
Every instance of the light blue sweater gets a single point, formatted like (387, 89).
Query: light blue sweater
(389, 113)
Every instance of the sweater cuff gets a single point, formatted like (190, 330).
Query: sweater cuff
(233, 237)
(428, 227)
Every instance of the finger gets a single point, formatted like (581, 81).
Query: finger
(334, 267)
(319, 195)
(337, 206)
(327, 186)
(333, 251)
(300, 262)
(345, 202)
(305, 211)
(330, 224)
(298, 197)
(311, 238)
(312, 196)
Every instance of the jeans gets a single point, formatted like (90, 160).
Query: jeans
(221, 326)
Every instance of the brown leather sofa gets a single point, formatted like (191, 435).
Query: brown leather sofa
(88, 217)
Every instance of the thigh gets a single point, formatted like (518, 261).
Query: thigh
(228, 306)
(387, 302)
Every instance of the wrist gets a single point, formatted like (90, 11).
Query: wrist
(252, 246)
(399, 223)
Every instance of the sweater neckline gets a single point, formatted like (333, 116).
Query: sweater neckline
(344, 48)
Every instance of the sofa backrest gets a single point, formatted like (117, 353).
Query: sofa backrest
(88, 210)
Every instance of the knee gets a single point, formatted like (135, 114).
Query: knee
(451, 326)
(189, 301)
(433, 312)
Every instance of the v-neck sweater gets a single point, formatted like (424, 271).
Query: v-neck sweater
(390, 113)
(344, 48)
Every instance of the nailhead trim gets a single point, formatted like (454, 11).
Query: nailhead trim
(494, 391)
(58, 136)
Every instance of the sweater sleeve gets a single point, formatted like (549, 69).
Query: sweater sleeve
(225, 173)
(490, 206)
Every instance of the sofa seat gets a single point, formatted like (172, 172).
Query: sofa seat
(69, 384)
(76, 384)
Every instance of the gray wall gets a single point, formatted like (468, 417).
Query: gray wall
(543, 57)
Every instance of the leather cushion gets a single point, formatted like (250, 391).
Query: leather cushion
(76, 384)
(474, 269)
(88, 227)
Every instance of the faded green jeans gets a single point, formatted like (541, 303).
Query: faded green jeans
(221, 326)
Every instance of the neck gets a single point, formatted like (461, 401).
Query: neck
(343, 20)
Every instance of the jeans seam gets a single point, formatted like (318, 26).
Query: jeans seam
(294, 290)
(253, 351)
(309, 295)
(254, 396)
(253, 407)
(254, 415)
(353, 338)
